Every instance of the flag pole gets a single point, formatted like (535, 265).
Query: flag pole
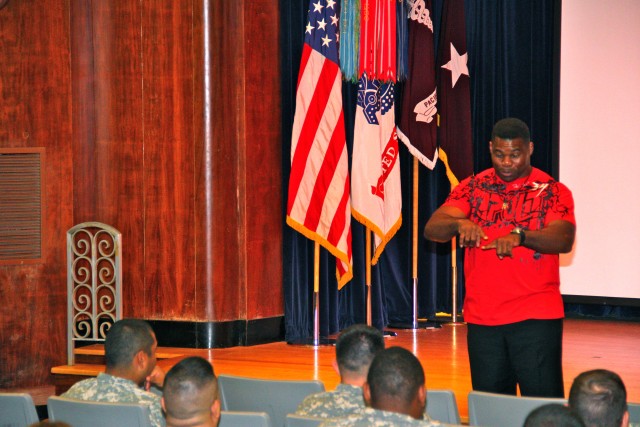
(415, 323)
(416, 183)
(316, 293)
(454, 279)
(368, 272)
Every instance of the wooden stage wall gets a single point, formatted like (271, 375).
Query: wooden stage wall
(162, 120)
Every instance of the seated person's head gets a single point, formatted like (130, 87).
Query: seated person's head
(356, 347)
(600, 398)
(395, 383)
(553, 415)
(130, 349)
(190, 394)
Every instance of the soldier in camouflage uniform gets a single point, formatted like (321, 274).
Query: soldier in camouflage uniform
(190, 395)
(394, 393)
(355, 349)
(130, 356)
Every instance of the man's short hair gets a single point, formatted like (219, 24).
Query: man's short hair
(356, 347)
(125, 339)
(511, 128)
(395, 373)
(553, 415)
(599, 397)
(190, 388)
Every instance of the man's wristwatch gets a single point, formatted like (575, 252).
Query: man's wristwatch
(520, 232)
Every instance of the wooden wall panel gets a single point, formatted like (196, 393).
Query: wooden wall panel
(227, 105)
(35, 111)
(263, 173)
(168, 111)
(118, 146)
(164, 122)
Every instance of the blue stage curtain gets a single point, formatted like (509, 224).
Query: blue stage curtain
(513, 65)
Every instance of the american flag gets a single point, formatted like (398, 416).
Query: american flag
(319, 204)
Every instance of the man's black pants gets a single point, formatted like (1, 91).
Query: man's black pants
(527, 354)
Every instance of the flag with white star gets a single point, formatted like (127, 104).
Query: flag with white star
(454, 133)
(319, 204)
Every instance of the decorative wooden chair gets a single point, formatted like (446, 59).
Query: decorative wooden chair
(94, 283)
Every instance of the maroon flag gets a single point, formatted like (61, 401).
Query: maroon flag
(418, 124)
(454, 132)
(319, 204)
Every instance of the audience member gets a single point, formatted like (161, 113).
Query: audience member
(394, 393)
(356, 347)
(130, 358)
(600, 398)
(553, 415)
(190, 395)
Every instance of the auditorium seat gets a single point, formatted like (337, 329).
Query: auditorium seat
(501, 410)
(17, 409)
(442, 406)
(275, 397)
(244, 419)
(294, 420)
(81, 413)
(634, 412)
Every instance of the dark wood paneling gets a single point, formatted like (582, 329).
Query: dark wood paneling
(119, 143)
(35, 100)
(170, 228)
(175, 144)
(263, 174)
(227, 102)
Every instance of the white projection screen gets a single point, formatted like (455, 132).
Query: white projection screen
(600, 145)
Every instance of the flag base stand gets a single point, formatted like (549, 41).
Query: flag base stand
(310, 342)
(420, 324)
(448, 319)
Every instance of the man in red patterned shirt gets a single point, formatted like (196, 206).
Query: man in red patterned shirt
(514, 220)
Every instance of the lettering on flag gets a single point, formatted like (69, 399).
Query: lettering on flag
(417, 128)
(388, 161)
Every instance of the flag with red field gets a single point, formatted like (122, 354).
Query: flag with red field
(418, 121)
(318, 204)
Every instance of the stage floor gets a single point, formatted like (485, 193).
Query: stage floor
(588, 344)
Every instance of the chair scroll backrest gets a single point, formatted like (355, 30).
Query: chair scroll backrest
(275, 397)
(501, 410)
(17, 409)
(442, 406)
(244, 419)
(94, 283)
(81, 413)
